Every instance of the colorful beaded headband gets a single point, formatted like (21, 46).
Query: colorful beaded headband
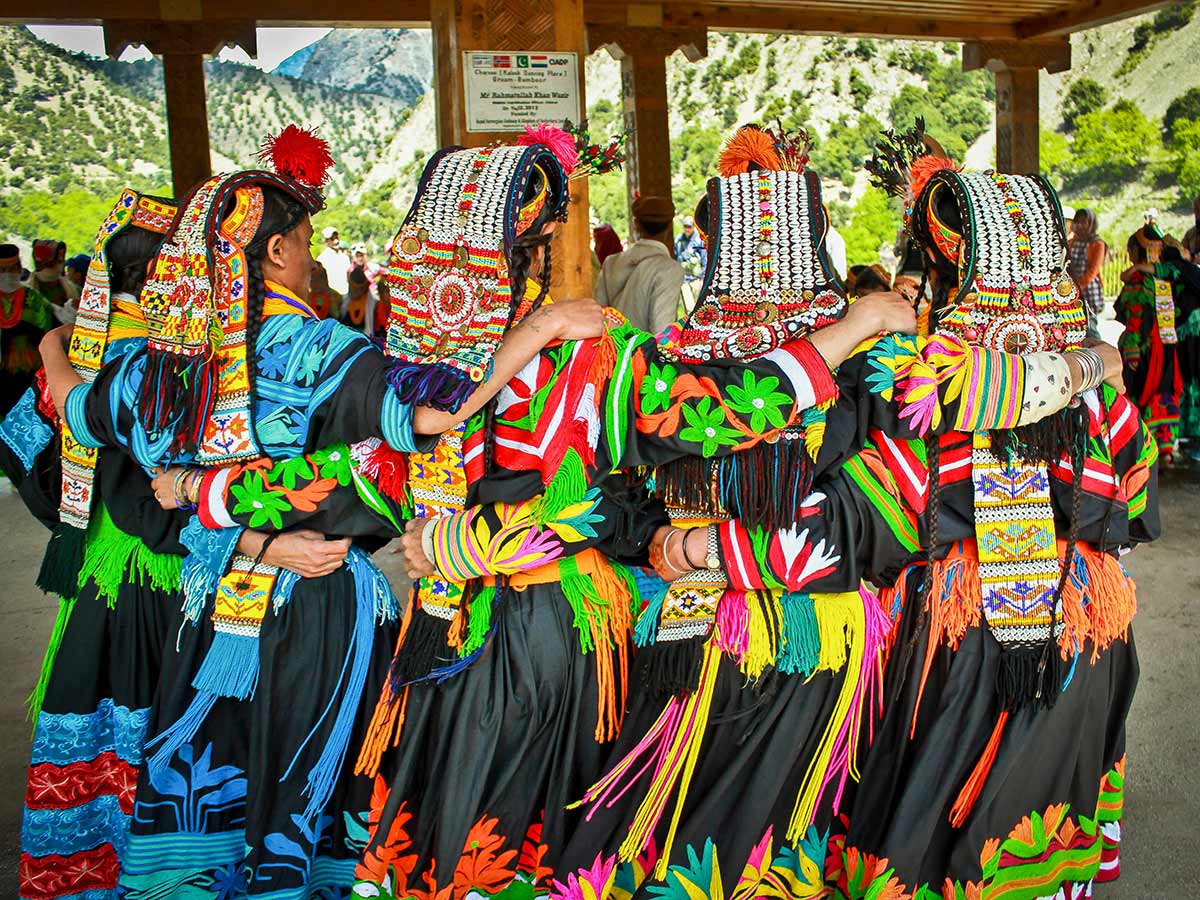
(448, 273)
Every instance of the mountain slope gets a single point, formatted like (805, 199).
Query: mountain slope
(389, 62)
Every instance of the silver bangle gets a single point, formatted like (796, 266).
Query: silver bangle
(427, 541)
(1092, 366)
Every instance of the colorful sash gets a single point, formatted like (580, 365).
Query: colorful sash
(1019, 569)
(1164, 311)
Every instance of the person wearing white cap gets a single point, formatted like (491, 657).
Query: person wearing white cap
(643, 282)
(333, 258)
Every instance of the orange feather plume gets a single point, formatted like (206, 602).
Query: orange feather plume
(750, 145)
(925, 167)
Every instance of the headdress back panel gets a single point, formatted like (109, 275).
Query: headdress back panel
(449, 267)
(768, 279)
(1014, 293)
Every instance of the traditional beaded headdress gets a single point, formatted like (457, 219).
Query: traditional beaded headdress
(197, 380)
(1013, 293)
(89, 343)
(768, 279)
(448, 274)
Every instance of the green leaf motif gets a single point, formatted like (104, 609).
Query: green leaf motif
(656, 387)
(259, 502)
(758, 399)
(706, 427)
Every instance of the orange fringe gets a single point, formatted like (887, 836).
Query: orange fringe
(611, 630)
(971, 790)
(388, 718)
(748, 145)
(956, 604)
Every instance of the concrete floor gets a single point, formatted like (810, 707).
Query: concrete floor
(1158, 858)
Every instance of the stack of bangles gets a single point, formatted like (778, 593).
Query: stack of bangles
(1092, 366)
(186, 488)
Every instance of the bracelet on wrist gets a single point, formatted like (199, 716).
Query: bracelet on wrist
(1091, 366)
(687, 557)
(427, 546)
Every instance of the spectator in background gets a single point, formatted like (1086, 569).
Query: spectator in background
(383, 306)
(644, 282)
(360, 260)
(49, 279)
(1191, 240)
(24, 317)
(324, 300)
(692, 255)
(1085, 255)
(335, 261)
(606, 242)
(359, 302)
(76, 271)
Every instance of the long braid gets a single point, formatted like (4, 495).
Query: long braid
(256, 292)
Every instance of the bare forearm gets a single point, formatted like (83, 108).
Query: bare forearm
(520, 345)
(60, 376)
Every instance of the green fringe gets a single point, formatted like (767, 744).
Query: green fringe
(569, 485)
(33, 704)
(114, 558)
(63, 559)
(801, 650)
(479, 620)
(581, 593)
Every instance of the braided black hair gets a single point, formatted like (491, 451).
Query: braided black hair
(128, 255)
(282, 213)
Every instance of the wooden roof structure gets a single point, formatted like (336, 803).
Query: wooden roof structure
(1015, 39)
(963, 20)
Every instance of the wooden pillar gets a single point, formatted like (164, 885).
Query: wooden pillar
(183, 46)
(187, 120)
(513, 26)
(1015, 65)
(643, 53)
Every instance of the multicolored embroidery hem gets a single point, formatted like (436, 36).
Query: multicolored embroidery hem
(1044, 852)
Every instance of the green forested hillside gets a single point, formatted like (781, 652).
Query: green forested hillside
(1121, 129)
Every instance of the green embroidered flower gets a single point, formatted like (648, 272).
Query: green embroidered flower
(334, 462)
(656, 387)
(263, 504)
(706, 427)
(758, 399)
(288, 471)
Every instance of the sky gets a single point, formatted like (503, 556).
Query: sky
(274, 44)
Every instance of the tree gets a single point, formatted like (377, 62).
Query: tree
(1054, 153)
(873, 224)
(1111, 143)
(1185, 152)
(1185, 106)
(1084, 96)
(859, 89)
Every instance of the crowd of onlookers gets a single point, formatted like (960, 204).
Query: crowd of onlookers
(349, 286)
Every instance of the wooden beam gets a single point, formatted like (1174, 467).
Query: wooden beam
(349, 14)
(1053, 55)
(187, 120)
(643, 55)
(514, 25)
(814, 18)
(190, 38)
(1017, 125)
(1084, 14)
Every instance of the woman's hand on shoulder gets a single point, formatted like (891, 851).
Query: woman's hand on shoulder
(569, 320)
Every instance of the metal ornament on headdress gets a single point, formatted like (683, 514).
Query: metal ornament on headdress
(768, 280)
(448, 273)
(1014, 293)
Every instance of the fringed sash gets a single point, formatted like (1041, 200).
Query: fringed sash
(1164, 311)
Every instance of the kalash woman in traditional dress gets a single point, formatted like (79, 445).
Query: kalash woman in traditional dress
(245, 791)
(997, 769)
(760, 666)
(115, 559)
(1150, 343)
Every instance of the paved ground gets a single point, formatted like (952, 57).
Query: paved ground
(1163, 778)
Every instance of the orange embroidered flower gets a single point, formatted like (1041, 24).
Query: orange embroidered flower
(990, 848)
(482, 866)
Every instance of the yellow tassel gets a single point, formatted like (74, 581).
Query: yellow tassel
(846, 609)
(678, 767)
(835, 624)
(763, 645)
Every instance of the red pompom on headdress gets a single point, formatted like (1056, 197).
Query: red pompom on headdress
(298, 153)
(560, 142)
